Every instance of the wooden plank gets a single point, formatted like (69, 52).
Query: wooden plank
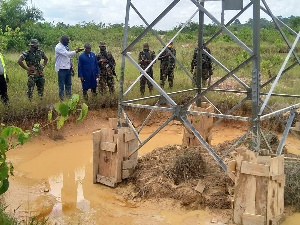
(251, 219)
(129, 164)
(200, 186)
(272, 203)
(231, 169)
(129, 136)
(108, 146)
(113, 122)
(125, 174)
(120, 153)
(108, 181)
(261, 195)
(281, 187)
(96, 154)
(255, 169)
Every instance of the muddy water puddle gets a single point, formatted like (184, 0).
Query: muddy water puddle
(54, 179)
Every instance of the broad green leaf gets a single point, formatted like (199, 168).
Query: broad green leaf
(4, 186)
(56, 106)
(6, 132)
(75, 98)
(60, 122)
(64, 110)
(84, 110)
(3, 171)
(35, 129)
(50, 113)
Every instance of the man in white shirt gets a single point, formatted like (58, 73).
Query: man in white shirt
(63, 66)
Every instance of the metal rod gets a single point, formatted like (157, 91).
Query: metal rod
(157, 96)
(148, 107)
(231, 117)
(152, 135)
(121, 88)
(279, 74)
(227, 70)
(150, 26)
(230, 111)
(280, 111)
(227, 24)
(236, 144)
(190, 127)
(286, 132)
(199, 70)
(279, 21)
(219, 81)
(160, 90)
(161, 41)
(228, 32)
(212, 104)
(131, 126)
(283, 72)
(148, 117)
(256, 77)
(280, 30)
(266, 141)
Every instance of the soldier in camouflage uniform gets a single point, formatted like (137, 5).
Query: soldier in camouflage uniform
(145, 58)
(34, 68)
(207, 70)
(107, 66)
(167, 65)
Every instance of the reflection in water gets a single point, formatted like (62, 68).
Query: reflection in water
(67, 188)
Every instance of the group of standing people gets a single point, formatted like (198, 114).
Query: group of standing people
(94, 70)
(167, 66)
(90, 64)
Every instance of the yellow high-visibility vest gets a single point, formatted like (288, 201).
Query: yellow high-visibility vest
(3, 64)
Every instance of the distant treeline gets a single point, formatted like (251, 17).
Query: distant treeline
(19, 23)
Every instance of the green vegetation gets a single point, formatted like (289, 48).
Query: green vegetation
(20, 23)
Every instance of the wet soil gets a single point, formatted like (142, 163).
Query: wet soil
(53, 179)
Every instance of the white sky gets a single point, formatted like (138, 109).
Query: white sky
(113, 11)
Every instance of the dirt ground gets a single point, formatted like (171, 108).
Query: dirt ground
(53, 178)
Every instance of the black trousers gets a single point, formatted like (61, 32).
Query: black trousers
(3, 89)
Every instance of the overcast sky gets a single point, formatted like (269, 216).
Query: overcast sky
(113, 11)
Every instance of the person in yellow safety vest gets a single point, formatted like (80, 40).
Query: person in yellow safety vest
(3, 81)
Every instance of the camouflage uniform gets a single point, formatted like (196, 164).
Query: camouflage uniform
(167, 66)
(107, 66)
(36, 76)
(145, 58)
(206, 66)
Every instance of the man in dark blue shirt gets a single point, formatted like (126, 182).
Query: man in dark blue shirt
(88, 70)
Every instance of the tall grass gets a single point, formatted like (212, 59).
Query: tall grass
(227, 52)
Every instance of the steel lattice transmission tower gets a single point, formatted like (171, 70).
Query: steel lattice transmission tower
(251, 91)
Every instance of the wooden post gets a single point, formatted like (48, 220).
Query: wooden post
(203, 125)
(259, 189)
(110, 155)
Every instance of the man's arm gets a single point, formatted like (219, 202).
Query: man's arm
(21, 63)
(63, 51)
(45, 61)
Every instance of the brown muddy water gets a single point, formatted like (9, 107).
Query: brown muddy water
(53, 178)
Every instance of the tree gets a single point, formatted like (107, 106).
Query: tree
(16, 13)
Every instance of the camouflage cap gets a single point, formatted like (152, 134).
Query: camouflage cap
(146, 46)
(102, 43)
(34, 42)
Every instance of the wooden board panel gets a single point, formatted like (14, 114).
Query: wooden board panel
(272, 203)
(120, 153)
(250, 219)
(129, 164)
(96, 154)
(109, 181)
(129, 136)
(255, 169)
(113, 122)
(125, 174)
(108, 146)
